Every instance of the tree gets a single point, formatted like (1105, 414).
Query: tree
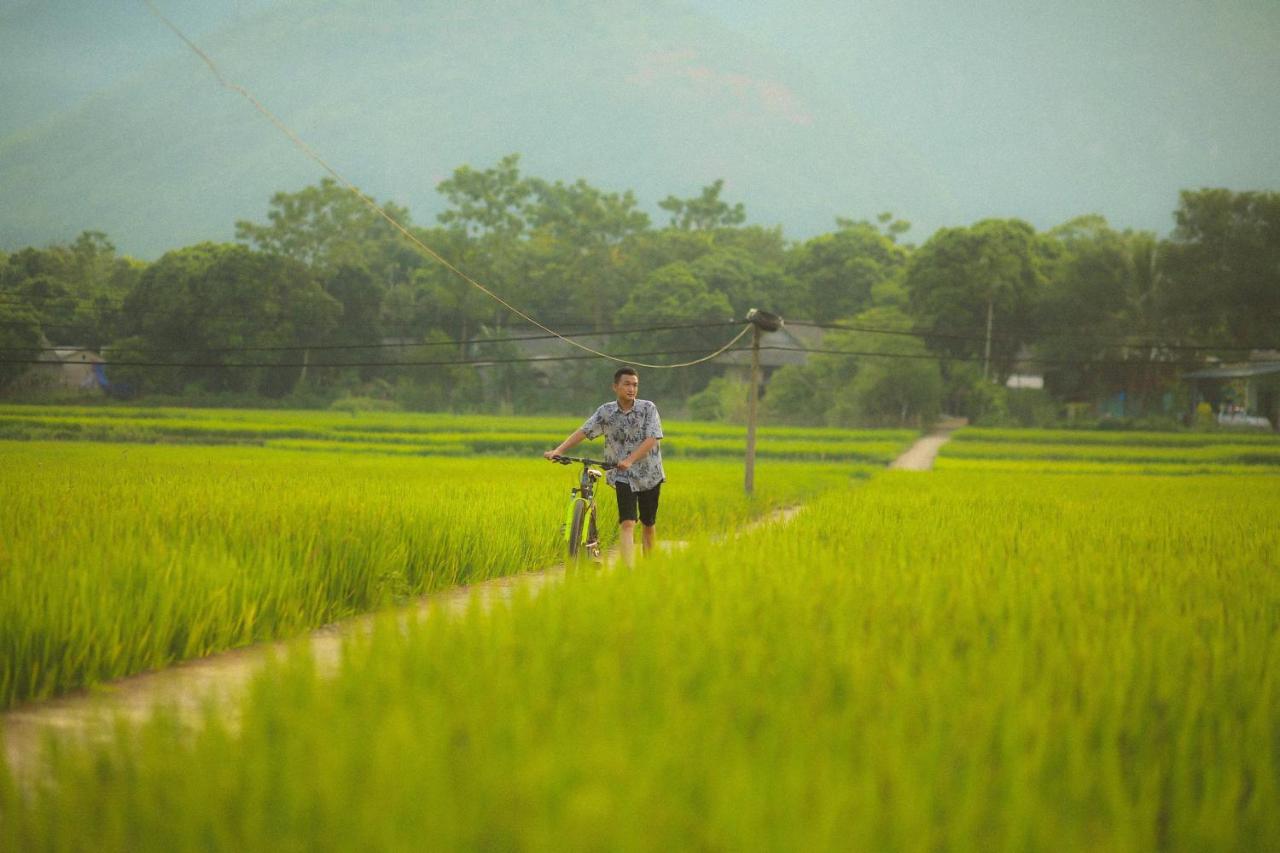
(327, 226)
(75, 290)
(1223, 266)
(20, 339)
(746, 283)
(359, 324)
(876, 379)
(1098, 310)
(980, 286)
(704, 212)
(674, 294)
(840, 272)
(891, 226)
(211, 306)
(575, 249)
(489, 201)
(488, 218)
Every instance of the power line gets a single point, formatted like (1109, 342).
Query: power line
(408, 235)
(384, 345)
(90, 306)
(916, 333)
(479, 362)
(849, 327)
(621, 359)
(1037, 361)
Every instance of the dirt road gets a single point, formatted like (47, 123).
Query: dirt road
(920, 456)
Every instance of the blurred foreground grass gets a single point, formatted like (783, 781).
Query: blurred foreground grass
(957, 660)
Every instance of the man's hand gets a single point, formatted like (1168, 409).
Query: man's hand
(623, 464)
(551, 454)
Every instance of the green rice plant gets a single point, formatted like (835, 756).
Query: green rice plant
(1225, 452)
(1101, 437)
(929, 661)
(116, 559)
(424, 432)
(1069, 466)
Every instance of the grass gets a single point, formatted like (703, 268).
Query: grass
(116, 559)
(952, 660)
(1117, 437)
(421, 434)
(1220, 454)
(1072, 450)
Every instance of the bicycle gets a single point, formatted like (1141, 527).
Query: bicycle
(580, 531)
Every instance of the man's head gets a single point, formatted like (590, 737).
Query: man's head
(626, 384)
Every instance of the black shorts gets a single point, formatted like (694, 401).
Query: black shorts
(647, 500)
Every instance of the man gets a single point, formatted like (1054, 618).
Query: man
(631, 430)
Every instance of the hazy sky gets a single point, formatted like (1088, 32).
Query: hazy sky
(1124, 100)
(1028, 108)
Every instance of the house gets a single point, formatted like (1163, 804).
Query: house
(66, 369)
(1026, 373)
(1242, 394)
(546, 353)
(790, 343)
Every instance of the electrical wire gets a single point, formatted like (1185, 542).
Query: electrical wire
(312, 365)
(384, 345)
(476, 362)
(408, 235)
(828, 326)
(917, 333)
(1056, 362)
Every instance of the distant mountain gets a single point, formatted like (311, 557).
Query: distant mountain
(645, 96)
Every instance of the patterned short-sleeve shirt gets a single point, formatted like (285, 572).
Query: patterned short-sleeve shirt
(623, 432)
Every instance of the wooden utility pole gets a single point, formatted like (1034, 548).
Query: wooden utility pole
(761, 321)
(986, 358)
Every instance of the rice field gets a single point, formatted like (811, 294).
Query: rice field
(1156, 452)
(116, 559)
(921, 662)
(1017, 651)
(421, 434)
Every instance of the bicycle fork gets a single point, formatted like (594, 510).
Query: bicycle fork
(589, 542)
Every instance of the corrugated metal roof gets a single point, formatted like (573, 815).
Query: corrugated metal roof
(804, 337)
(1239, 371)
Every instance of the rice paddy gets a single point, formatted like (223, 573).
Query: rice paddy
(117, 559)
(418, 434)
(1069, 652)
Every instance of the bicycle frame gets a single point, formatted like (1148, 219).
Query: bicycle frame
(580, 532)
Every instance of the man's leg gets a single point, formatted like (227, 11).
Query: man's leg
(648, 535)
(626, 542)
(647, 505)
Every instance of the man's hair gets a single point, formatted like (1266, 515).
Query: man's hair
(624, 371)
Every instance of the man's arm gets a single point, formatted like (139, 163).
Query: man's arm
(639, 453)
(575, 438)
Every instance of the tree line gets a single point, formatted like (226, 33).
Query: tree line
(327, 300)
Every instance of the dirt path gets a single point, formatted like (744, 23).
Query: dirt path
(920, 456)
(220, 679)
(188, 687)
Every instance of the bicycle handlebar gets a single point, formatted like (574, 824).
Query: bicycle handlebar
(569, 460)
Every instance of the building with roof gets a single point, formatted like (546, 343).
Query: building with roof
(1243, 394)
(65, 369)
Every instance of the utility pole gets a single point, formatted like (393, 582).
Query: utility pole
(986, 358)
(761, 321)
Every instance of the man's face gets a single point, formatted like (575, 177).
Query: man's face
(626, 388)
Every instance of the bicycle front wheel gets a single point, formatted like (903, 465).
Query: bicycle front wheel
(576, 524)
